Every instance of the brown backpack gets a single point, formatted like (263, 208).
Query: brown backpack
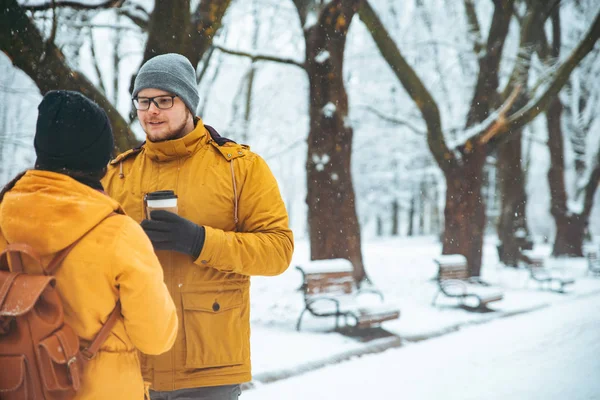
(40, 356)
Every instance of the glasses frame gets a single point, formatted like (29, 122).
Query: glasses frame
(151, 100)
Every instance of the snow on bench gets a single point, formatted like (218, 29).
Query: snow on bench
(534, 260)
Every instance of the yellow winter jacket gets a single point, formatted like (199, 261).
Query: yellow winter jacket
(231, 191)
(114, 260)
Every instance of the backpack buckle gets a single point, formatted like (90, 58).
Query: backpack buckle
(74, 373)
(87, 355)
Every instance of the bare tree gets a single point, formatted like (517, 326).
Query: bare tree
(571, 222)
(485, 128)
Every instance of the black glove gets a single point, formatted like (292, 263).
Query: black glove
(169, 231)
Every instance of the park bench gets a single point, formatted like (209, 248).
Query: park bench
(329, 290)
(540, 274)
(593, 263)
(454, 282)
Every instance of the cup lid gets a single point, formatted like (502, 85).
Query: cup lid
(161, 195)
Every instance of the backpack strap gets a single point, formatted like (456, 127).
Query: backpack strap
(90, 352)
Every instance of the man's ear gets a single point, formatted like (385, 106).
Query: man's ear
(192, 116)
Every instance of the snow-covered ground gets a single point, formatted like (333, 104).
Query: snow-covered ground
(403, 269)
(548, 354)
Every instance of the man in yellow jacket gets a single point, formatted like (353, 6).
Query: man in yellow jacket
(60, 202)
(231, 223)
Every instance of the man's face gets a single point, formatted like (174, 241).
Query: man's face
(164, 124)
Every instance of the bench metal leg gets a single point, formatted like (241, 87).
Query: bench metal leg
(300, 319)
(435, 297)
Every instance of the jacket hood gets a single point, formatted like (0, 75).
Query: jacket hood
(50, 211)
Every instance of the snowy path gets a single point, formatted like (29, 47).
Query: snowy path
(550, 354)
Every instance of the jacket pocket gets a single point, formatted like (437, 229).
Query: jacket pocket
(14, 384)
(213, 328)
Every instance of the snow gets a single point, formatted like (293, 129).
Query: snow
(329, 109)
(501, 353)
(322, 56)
(311, 20)
(320, 161)
(321, 266)
(452, 259)
(549, 354)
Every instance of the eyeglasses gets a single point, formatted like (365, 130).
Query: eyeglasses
(161, 102)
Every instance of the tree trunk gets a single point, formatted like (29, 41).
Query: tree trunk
(169, 29)
(379, 226)
(465, 211)
(332, 218)
(512, 224)
(422, 207)
(570, 227)
(436, 225)
(411, 216)
(513, 232)
(395, 218)
(173, 29)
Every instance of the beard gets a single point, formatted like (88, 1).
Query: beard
(176, 133)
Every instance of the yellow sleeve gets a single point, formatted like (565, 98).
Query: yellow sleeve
(264, 243)
(148, 309)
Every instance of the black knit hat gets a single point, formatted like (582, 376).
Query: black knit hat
(72, 132)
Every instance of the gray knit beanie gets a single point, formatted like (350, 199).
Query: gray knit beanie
(172, 73)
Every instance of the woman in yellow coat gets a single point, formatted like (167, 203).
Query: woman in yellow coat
(113, 260)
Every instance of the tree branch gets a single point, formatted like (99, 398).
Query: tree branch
(207, 20)
(88, 25)
(74, 4)
(522, 63)
(52, 37)
(474, 28)
(46, 66)
(539, 104)
(259, 57)
(485, 94)
(500, 120)
(411, 82)
(396, 121)
(137, 14)
(95, 63)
